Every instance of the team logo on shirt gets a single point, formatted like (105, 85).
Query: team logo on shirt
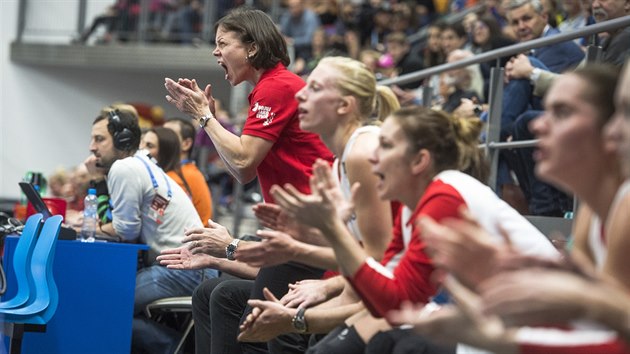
(264, 112)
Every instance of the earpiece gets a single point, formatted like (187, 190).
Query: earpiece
(123, 137)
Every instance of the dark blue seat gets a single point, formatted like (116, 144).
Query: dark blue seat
(22, 263)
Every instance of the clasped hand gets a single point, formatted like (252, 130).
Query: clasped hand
(186, 95)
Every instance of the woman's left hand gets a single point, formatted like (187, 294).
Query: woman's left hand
(186, 95)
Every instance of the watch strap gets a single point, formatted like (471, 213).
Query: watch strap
(204, 120)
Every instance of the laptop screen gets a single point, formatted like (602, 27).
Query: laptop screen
(36, 200)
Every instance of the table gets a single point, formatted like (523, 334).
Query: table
(96, 283)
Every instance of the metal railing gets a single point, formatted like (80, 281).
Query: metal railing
(492, 144)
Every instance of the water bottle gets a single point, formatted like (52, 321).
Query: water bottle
(90, 217)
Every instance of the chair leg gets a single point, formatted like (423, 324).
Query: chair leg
(182, 341)
(16, 333)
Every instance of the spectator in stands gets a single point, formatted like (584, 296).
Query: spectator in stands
(110, 19)
(574, 152)
(190, 174)
(182, 22)
(432, 54)
(149, 208)
(404, 18)
(298, 24)
(379, 28)
(458, 84)
(405, 60)
(418, 150)
(615, 50)
(529, 21)
(272, 146)
(487, 36)
(453, 37)
(575, 17)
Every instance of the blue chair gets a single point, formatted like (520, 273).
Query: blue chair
(22, 263)
(40, 308)
(43, 305)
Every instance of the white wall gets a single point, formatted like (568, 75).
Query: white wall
(46, 113)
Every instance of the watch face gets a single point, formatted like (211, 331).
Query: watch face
(299, 324)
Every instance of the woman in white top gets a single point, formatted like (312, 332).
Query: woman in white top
(338, 101)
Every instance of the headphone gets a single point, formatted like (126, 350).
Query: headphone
(123, 137)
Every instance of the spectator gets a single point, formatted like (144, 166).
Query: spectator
(298, 25)
(487, 36)
(405, 60)
(458, 84)
(453, 37)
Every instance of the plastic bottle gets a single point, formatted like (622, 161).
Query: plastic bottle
(90, 217)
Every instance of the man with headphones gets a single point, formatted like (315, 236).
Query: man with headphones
(147, 207)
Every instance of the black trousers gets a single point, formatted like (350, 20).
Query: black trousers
(404, 341)
(220, 305)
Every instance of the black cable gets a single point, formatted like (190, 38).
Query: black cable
(9, 226)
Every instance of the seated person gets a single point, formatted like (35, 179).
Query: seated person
(147, 207)
(188, 175)
(424, 178)
(576, 152)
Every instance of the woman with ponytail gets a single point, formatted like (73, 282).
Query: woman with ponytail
(343, 105)
(418, 161)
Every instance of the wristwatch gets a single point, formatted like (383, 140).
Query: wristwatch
(299, 322)
(231, 249)
(478, 109)
(204, 120)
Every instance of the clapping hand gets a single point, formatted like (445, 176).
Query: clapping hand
(186, 95)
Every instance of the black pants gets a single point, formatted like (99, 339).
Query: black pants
(277, 280)
(341, 340)
(404, 341)
(219, 306)
(201, 312)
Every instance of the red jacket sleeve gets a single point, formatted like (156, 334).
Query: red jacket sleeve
(382, 290)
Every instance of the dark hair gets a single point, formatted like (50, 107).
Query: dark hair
(456, 27)
(127, 120)
(601, 82)
(186, 130)
(254, 26)
(451, 141)
(169, 148)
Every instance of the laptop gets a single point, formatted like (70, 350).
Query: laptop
(66, 233)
